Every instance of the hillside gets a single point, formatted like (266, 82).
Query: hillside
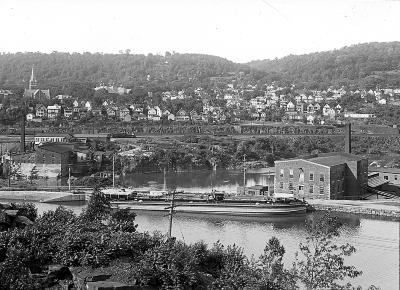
(130, 70)
(365, 65)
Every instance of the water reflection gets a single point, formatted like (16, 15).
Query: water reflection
(376, 240)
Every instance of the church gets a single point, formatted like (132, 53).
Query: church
(34, 92)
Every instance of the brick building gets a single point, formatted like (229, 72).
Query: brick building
(56, 156)
(327, 176)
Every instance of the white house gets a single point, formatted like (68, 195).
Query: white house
(88, 106)
(30, 116)
(53, 111)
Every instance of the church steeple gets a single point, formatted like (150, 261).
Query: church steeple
(32, 81)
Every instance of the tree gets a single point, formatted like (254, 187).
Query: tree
(98, 208)
(34, 174)
(320, 262)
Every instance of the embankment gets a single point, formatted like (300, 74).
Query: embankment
(383, 208)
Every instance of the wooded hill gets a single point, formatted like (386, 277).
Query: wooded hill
(127, 69)
(364, 66)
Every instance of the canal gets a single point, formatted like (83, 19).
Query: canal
(376, 240)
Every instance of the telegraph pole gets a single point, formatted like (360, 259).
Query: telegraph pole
(244, 172)
(113, 168)
(69, 177)
(171, 213)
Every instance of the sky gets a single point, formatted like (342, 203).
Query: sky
(239, 30)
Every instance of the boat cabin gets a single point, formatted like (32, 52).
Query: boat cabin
(256, 190)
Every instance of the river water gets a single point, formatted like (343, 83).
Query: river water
(199, 181)
(376, 240)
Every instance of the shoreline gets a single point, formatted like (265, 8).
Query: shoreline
(381, 208)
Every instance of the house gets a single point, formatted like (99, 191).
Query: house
(290, 107)
(29, 117)
(325, 110)
(63, 97)
(300, 107)
(181, 116)
(141, 117)
(391, 175)
(68, 112)
(310, 109)
(338, 109)
(53, 111)
(41, 138)
(317, 107)
(171, 117)
(75, 103)
(194, 116)
(96, 112)
(123, 113)
(111, 112)
(85, 138)
(327, 176)
(310, 120)
(88, 106)
(41, 111)
(154, 114)
(82, 156)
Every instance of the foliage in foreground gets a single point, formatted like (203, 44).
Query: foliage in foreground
(101, 238)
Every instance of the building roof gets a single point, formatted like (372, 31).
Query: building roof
(384, 169)
(334, 159)
(328, 159)
(65, 135)
(98, 135)
(376, 181)
(57, 148)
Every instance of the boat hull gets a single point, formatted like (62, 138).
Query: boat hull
(245, 210)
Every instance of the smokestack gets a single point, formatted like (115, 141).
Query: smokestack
(23, 134)
(347, 138)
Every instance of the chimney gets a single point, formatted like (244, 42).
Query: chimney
(23, 134)
(347, 138)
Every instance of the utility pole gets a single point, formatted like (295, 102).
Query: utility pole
(244, 172)
(171, 213)
(113, 168)
(69, 177)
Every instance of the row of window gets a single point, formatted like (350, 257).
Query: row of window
(301, 175)
(45, 139)
(301, 188)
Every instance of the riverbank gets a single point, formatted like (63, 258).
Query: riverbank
(383, 207)
(40, 196)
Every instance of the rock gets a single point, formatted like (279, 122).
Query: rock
(21, 222)
(109, 285)
(11, 212)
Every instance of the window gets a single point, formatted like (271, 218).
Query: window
(301, 175)
(321, 190)
(301, 187)
(281, 173)
(322, 177)
(281, 185)
(395, 177)
(290, 186)
(290, 173)
(386, 177)
(311, 176)
(311, 189)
